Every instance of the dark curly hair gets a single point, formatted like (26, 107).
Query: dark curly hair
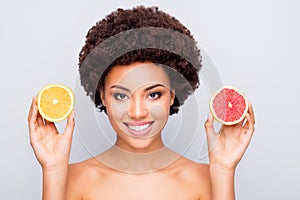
(138, 35)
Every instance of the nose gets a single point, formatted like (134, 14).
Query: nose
(137, 108)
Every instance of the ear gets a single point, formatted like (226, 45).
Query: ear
(102, 97)
(173, 94)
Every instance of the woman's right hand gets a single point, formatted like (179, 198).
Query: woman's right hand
(51, 149)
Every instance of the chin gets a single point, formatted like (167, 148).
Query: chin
(142, 145)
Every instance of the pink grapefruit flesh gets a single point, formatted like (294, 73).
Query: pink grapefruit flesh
(228, 105)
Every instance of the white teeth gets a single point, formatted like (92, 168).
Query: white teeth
(139, 128)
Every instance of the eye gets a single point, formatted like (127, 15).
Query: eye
(154, 95)
(120, 96)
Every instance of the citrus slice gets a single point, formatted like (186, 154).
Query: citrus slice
(228, 105)
(55, 102)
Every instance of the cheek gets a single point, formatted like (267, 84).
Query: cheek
(159, 112)
(117, 110)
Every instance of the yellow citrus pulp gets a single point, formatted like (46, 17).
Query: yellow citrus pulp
(55, 102)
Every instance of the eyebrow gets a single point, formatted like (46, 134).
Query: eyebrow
(146, 89)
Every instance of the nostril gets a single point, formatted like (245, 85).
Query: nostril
(137, 110)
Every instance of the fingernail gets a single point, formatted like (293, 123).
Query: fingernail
(209, 116)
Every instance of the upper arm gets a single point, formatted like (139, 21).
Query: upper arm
(202, 182)
(73, 183)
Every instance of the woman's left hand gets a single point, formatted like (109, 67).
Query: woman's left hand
(227, 147)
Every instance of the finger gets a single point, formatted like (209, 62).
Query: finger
(251, 112)
(32, 121)
(209, 128)
(33, 102)
(40, 120)
(51, 125)
(249, 124)
(238, 125)
(32, 116)
(248, 130)
(70, 126)
(234, 130)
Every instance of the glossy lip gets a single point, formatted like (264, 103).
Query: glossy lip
(138, 133)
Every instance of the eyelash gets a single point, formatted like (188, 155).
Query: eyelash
(158, 95)
(117, 96)
(123, 97)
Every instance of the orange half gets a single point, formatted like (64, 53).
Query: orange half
(55, 102)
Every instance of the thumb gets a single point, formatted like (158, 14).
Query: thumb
(209, 128)
(68, 132)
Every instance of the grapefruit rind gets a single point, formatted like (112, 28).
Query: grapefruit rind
(214, 113)
(71, 106)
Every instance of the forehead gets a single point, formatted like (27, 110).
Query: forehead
(137, 75)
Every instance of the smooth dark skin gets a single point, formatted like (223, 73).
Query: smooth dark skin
(183, 179)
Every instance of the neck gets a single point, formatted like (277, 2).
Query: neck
(132, 162)
(143, 145)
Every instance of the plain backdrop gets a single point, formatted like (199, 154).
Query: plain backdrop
(254, 45)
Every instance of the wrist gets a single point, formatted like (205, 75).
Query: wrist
(54, 182)
(222, 181)
(58, 169)
(219, 169)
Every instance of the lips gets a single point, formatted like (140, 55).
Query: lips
(139, 128)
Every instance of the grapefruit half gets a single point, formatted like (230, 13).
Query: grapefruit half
(228, 105)
(55, 102)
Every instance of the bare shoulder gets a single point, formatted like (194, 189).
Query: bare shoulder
(196, 175)
(81, 176)
(193, 170)
(82, 169)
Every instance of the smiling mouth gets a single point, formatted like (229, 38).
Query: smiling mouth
(138, 127)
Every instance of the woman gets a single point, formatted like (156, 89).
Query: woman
(138, 73)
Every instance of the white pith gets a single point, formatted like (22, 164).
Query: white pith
(55, 101)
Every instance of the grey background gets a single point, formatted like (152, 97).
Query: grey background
(253, 44)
